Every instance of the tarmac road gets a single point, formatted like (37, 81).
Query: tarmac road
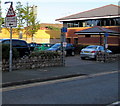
(95, 89)
(74, 67)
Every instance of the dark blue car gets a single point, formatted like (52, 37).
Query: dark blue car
(69, 48)
(20, 45)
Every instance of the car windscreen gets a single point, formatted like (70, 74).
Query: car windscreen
(0, 40)
(91, 47)
(56, 46)
(16, 43)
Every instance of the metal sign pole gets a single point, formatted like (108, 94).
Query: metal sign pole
(105, 48)
(10, 21)
(10, 57)
(62, 49)
(63, 31)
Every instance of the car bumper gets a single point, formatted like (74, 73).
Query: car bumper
(88, 55)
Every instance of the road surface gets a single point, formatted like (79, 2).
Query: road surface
(97, 88)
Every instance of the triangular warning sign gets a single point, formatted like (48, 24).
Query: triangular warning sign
(11, 12)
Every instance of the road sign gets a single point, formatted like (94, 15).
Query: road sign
(64, 44)
(106, 34)
(64, 29)
(11, 12)
(10, 21)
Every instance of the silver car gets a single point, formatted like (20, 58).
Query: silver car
(91, 51)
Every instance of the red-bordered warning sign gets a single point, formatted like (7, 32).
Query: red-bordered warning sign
(11, 12)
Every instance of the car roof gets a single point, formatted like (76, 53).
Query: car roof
(12, 39)
(93, 45)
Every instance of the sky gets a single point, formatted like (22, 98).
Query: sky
(50, 10)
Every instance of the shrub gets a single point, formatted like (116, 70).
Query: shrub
(78, 48)
(45, 54)
(5, 52)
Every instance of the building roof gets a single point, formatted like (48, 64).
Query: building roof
(43, 25)
(104, 11)
(97, 30)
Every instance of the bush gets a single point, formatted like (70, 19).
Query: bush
(5, 52)
(78, 48)
(45, 54)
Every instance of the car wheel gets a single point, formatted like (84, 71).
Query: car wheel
(72, 53)
(83, 58)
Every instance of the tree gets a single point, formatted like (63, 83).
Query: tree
(19, 18)
(28, 18)
(19, 15)
(33, 25)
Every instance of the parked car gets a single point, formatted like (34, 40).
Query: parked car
(32, 46)
(91, 51)
(43, 46)
(69, 48)
(20, 45)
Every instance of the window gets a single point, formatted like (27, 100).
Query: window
(17, 43)
(75, 40)
(87, 36)
(6, 42)
(76, 24)
(68, 40)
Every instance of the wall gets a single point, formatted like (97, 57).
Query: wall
(94, 39)
(32, 62)
(41, 36)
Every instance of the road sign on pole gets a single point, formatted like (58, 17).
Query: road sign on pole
(11, 12)
(10, 21)
(63, 39)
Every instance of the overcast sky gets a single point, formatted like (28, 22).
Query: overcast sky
(49, 10)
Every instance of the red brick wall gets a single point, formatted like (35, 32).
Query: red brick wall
(96, 40)
(91, 40)
(112, 40)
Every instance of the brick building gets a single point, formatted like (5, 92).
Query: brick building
(106, 17)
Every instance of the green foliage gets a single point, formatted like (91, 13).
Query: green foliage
(45, 54)
(19, 16)
(27, 19)
(53, 28)
(5, 52)
(78, 48)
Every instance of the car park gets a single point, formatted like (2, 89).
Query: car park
(42, 46)
(69, 49)
(32, 46)
(20, 45)
(91, 51)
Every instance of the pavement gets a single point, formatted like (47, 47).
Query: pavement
(74, 67)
